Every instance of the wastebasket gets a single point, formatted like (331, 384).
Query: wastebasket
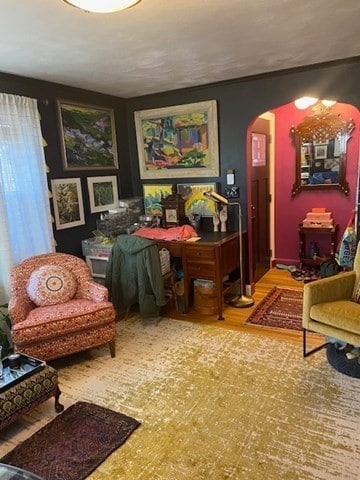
(205, 300)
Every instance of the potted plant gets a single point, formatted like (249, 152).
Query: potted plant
(4, 330)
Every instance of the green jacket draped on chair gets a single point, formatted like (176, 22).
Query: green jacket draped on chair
(133, 275)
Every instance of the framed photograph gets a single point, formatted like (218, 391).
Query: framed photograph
(320, 152)
(179, 141)
(153, 194)
(68, 202)
(103, 193)
(87, 136)
(196, 202)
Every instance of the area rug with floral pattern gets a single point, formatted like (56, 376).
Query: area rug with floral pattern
(281, 308)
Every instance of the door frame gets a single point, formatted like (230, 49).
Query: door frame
(271, 118)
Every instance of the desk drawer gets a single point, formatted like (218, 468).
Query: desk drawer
(197, 254)
(201, 270)
(175, 248)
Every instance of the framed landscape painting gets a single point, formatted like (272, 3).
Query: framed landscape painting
(196, 203)
(68, 202)
(103, 193)
(87, 136)
(179, 141)
(153, 194)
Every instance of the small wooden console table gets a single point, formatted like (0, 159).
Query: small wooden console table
(330, 232)
(213, 257)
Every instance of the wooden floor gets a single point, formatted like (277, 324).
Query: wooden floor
(235, 318)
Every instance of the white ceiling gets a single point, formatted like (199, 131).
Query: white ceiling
(161, 45)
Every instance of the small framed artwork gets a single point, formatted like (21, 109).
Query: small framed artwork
(153, 194)
(258, 149)
(178, 141)
(87, 136)
(320, 152)
(68, 202)
(195, 201)
(103, 193)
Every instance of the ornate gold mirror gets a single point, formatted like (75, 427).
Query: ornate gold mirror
(320, 142)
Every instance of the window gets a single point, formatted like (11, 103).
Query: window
(25, 218)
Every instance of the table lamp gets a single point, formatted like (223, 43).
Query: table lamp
(240, 301)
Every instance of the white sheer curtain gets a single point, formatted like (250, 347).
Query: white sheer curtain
(25, 218)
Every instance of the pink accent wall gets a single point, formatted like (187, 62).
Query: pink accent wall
(290, 211)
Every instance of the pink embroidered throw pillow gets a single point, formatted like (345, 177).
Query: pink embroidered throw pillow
(50, 285)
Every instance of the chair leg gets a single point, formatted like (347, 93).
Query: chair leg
(310, 352)
(127, 312)
(112, 348)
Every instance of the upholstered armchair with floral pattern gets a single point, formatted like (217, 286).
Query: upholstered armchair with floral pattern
(56, 309)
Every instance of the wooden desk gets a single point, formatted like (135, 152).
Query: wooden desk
(212, 257)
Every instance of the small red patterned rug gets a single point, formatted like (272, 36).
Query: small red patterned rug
(73, 444)
(281, 308)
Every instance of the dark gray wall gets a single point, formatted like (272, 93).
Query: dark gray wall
(69, 240)
(239, 102)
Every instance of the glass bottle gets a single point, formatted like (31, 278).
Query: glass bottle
(314, 250)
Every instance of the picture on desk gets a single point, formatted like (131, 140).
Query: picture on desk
(153, 194)
(196, 203)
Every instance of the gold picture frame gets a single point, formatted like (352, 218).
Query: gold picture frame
(178, 141)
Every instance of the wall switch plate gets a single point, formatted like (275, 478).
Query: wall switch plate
(231, 192)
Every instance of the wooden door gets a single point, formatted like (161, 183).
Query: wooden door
(260, 197)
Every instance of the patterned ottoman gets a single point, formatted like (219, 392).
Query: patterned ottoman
(30, 387)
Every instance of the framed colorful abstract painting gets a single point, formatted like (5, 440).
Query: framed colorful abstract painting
(153, 194)
(196, 202)
(179, 141)
(87, 136)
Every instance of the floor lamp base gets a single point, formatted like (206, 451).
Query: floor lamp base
(242, 302)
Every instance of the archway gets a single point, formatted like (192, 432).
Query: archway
(286, 211)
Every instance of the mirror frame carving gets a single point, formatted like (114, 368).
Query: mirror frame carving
(320, 128)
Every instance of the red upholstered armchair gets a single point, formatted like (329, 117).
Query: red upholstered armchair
(56, 309)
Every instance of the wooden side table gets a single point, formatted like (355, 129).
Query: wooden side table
(305, 232)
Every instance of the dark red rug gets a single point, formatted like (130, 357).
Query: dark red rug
(72, 445)
(281, 308)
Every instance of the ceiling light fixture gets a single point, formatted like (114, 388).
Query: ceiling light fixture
(102, 6)
(328, 103)
(304, 102)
